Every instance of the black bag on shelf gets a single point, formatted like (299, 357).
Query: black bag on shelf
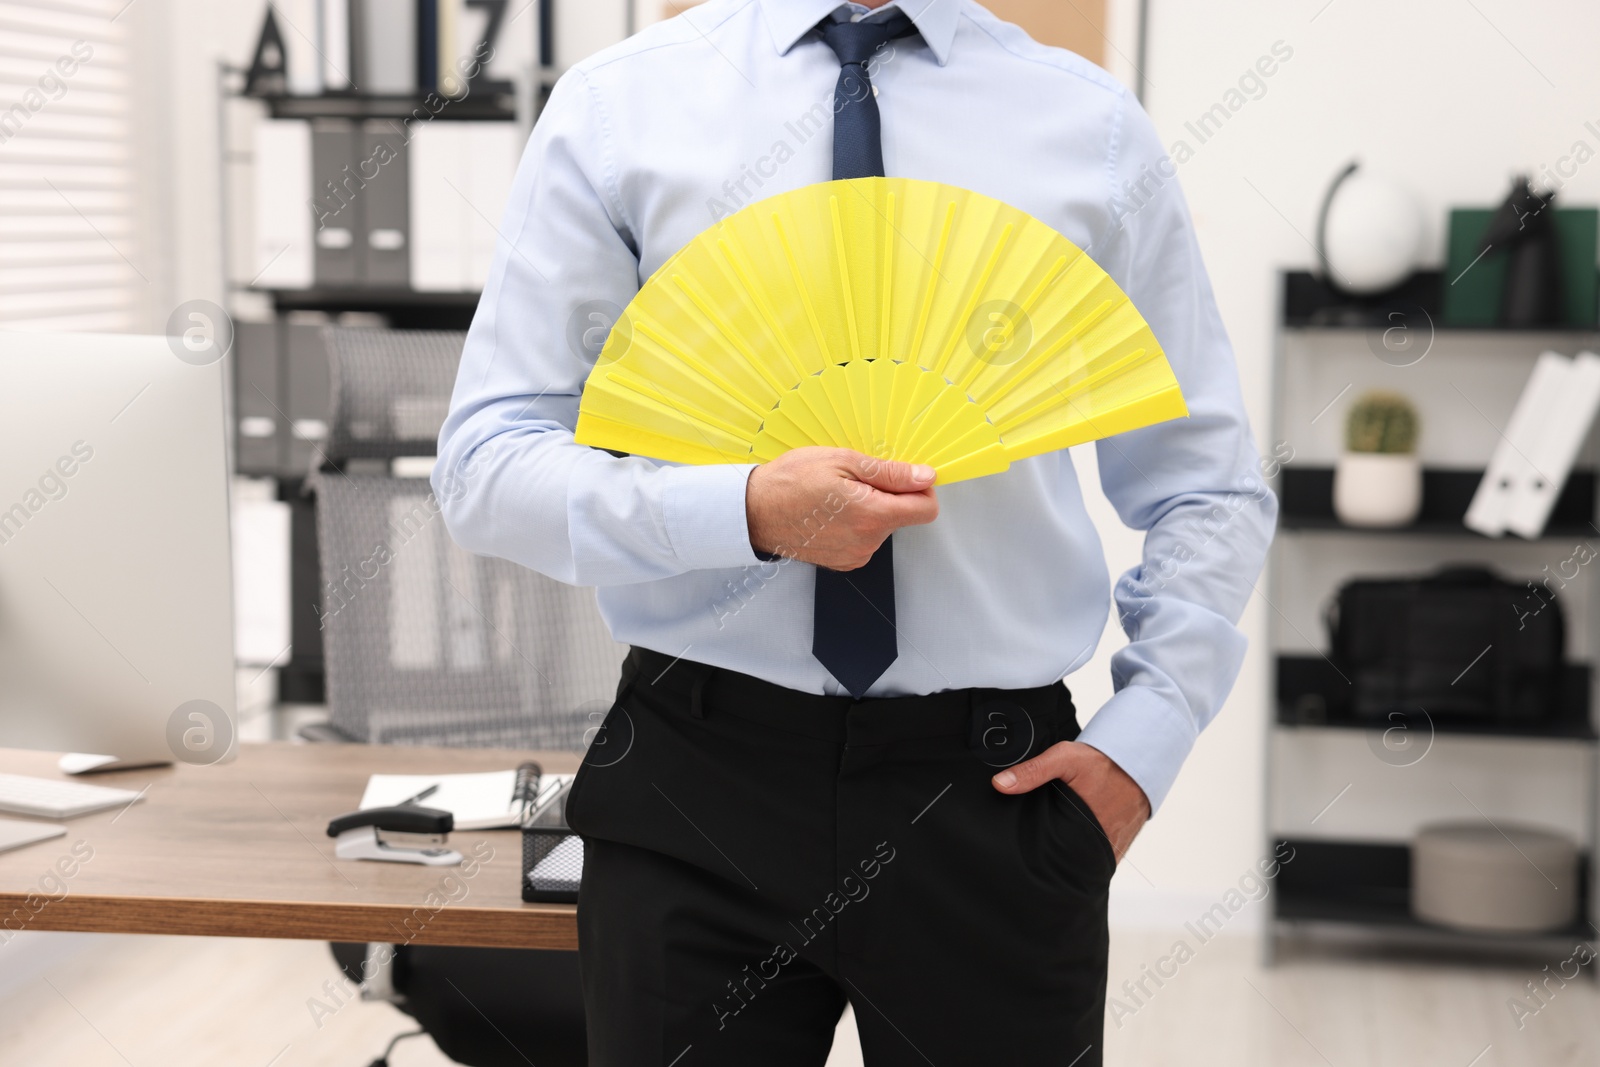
(1462, 643)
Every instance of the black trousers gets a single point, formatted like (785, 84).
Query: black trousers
(756, 857)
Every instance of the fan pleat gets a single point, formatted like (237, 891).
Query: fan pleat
(847, 298)
(886, 283)
(858, 380)
(802, 288)
(741, 359)
(977, 290)
(931, 285)
(751, 287)
(685, 355)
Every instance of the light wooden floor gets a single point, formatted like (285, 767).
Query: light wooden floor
(176, 1002)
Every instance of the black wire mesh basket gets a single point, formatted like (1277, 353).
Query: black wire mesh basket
(552, 855)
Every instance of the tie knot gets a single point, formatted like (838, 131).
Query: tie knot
(854, 42)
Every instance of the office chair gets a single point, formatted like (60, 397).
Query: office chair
(427, 644)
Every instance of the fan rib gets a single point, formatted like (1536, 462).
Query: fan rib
(797, 417)
(813, 396)
(844, 277)
(1103, 366)
(1056, 272)
(836, 386)
(1106, 365)
(991, 459)
(958, 334)
(800, 285)
(597, 430)
(880, 403)
(859, 375)
(968, 441)
(945, 409)
(671, 344)
(1077, 389)
(999, 390)
(924, 394)
(933, 283)
(946, 417)
(786, 434)
(751, 284)
(729, 335)
(885, 313)
(902, 387)
(1137, 414)
(683, 410)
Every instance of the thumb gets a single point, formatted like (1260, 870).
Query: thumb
(892, 476)
(1031, 774)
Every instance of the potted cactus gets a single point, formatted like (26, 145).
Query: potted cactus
(1378, 481)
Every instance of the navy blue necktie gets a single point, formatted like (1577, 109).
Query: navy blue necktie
(853, 629)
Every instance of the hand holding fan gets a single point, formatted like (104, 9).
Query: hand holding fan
(904, 319)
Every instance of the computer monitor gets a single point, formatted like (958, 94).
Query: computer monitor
(116, 585)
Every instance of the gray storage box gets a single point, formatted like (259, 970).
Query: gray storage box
(1505, 878)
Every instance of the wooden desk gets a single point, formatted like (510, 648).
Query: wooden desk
(241, 850)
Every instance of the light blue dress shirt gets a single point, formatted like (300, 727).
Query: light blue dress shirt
(645, 145)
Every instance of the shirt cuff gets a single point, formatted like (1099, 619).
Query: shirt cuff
(703, 510)
(1145, 736)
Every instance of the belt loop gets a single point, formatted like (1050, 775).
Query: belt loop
(1066, 714)
(697, 706)
(978, 709)
(632, 668)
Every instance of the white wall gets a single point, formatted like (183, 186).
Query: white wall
(1448, 96)
(178, 44)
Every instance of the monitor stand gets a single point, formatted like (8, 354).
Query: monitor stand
(90, 763)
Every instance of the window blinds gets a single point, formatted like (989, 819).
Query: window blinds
(68, 224)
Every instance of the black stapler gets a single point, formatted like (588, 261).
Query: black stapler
(403, 834)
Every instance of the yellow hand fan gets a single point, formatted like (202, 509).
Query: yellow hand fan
(904, 319)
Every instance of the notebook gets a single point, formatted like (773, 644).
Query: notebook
(479, 801)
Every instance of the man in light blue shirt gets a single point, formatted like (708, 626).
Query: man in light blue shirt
(1001, 583)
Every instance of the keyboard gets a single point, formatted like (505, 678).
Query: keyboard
(51, 799)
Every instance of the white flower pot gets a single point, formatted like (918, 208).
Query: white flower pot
(1377, 489)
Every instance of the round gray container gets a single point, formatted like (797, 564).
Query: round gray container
(1504, 878)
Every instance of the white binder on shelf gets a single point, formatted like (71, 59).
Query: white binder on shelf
(1562, 431)
(438, 149)
(494, 152)
(335, 47)
(1536, 452)
(1490, 510)
(461, 175)
(282, 252)
(389, 44)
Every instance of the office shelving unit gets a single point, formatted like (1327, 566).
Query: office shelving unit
(1346, 796)
(267, 315)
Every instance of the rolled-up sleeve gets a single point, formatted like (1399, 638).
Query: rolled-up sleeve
(510, 480)
(1194, 485)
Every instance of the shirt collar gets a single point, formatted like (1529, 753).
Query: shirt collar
(790, 20)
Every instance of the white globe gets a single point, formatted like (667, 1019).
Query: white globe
(1374, 233)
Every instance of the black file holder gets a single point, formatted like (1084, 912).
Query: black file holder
(552, 854)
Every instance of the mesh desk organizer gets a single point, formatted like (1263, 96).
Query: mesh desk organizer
(552, 853)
